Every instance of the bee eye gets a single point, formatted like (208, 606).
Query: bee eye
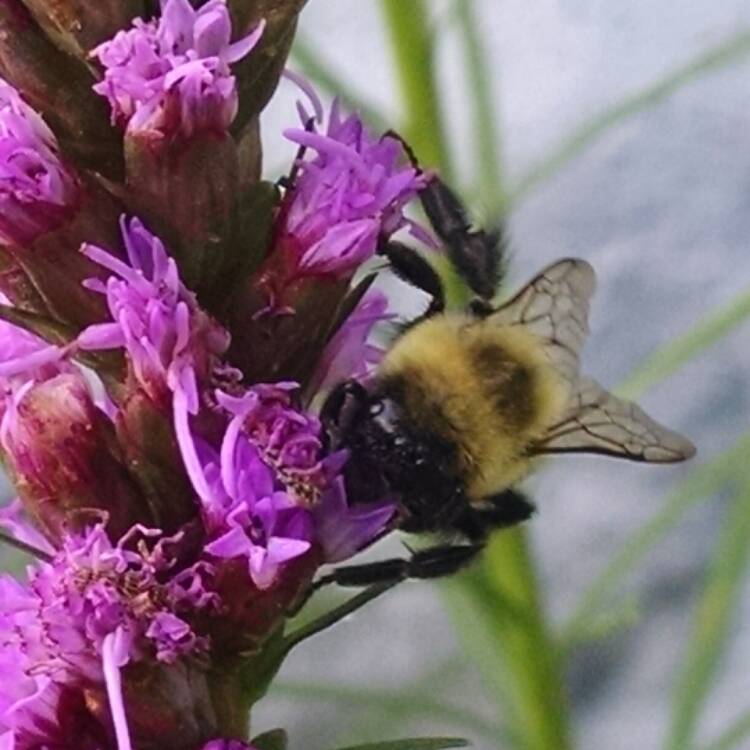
(399, 441)
(376, 409)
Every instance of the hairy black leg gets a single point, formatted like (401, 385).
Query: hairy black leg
(505, 509)
(433, 562)
(476, 254)
(508, 508)
(412, 268)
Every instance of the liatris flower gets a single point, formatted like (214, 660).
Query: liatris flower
(171, 343)
(339, 206)
(175, 486)
(173, 74)
(169, 84)
(342, 203)
(172, 346)
(44, 210)
(37, 191)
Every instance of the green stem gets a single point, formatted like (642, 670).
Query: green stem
(536, 690)
(230, 702)
(499, 614)
(412, 43)
(319, 624)
(713, 619)
(487, 146)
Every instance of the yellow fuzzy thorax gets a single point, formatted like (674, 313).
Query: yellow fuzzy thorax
(488, 389)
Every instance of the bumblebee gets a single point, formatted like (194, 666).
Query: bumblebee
(465, 402)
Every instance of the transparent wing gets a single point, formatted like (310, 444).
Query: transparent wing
(555, 306)
(598, 422)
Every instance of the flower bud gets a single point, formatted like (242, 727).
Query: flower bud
(37, 192)
(148, 443)
(171, 76)
(169, 84)
(61, 452)
(60, 87)
(186, 192)
(168, 706)
(227, 745)
(45, 213)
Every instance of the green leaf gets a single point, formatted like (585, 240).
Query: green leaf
(702, 482)
(669, 359)
(422, 743)
(713, 619)
(730, 51)
(326, 620)
(275, 739)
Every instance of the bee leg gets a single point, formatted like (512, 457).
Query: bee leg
(412, 268)
(433, 562)
(505, 509)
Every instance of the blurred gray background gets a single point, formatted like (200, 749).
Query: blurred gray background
(660, 205)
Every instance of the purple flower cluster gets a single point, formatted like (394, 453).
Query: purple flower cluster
(93, 608)
(37, 191)
(112, 420)
(345, 201)
(173, 346)
(172, 74)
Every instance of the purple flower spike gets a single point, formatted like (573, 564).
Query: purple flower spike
(37, 192)
(348, 196)
(172, 74)
(227, 745)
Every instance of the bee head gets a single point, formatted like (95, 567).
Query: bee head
(389, 456)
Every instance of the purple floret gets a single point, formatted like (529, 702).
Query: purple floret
(348, 196)
(172, 74)
(37, 192)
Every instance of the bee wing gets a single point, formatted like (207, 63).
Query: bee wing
(598, 422)
(555, 306)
